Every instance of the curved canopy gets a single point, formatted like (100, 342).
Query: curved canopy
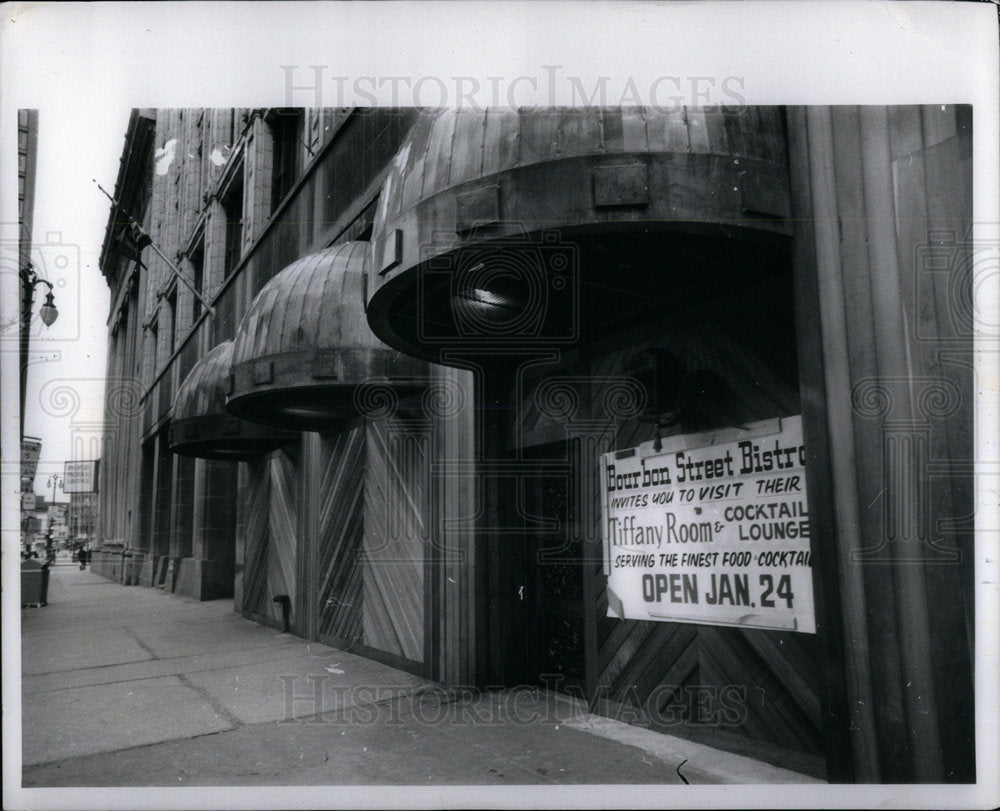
(502, 228)
(201, 426)
(304, 346)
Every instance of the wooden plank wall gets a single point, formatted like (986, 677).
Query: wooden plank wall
(254, 501)
(772, 677)
(270, 534)
(386, 534)
(397, 529)
(883, 202)
(282, 526)
(339, 533)
(252, 543)
(775, 673)
(452, 582)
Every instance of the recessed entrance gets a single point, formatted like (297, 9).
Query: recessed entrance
(734, 349)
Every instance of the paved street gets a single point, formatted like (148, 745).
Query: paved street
(187, 693)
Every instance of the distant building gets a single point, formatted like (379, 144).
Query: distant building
(58, 522)
(31, 448)
(27, 160)
(447, 390)
(82, 517)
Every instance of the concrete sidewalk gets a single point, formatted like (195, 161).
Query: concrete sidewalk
(189, 694)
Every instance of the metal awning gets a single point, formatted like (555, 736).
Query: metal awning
(304, 347)
(517, 230)
(201, 426)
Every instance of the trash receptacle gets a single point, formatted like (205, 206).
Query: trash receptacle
(34, 582)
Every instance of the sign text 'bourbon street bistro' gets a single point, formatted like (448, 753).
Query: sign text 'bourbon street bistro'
(713, 528)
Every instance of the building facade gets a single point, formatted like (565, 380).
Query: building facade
(31, 448)
(375, 374)
(82, 518)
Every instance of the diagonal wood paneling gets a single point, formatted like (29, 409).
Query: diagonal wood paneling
(255, 536)
(396, 524)
(635, 661)
(780, 667)
(270, 529)
(282, 528)
(339, 535)
(767, 699)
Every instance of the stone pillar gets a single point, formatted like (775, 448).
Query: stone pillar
(181, 522)
(142, 572)
(161, 510)
(239, 542)
(207, 571)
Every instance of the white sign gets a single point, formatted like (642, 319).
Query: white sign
(80, 477)
(28, 502)
(713, 528)
(31, 448)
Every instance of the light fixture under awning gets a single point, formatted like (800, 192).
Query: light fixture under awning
(503, 233)
(200, 425)
(304, 346)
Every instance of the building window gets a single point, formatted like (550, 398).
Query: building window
(172, 305)
(286, 128)
(232, 205)
(227, 128)
(197, 260)
(154, 338)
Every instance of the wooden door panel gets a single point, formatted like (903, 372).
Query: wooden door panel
(396, 531)
(255, 537)
(340, 528)
(764, 683)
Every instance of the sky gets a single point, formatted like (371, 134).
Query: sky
(78, 141)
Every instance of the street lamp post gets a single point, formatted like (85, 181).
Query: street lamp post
(54, 480)
(48, 313)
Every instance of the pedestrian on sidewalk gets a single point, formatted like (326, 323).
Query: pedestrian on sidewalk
(84, 556)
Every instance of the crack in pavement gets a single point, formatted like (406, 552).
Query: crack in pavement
(139, 663)
(211, 700)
